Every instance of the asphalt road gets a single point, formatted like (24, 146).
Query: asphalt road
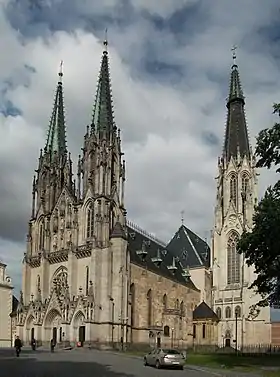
(83, 363)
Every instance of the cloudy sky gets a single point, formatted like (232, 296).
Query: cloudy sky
(170, 63)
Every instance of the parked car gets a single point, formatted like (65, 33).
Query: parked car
(165, 358)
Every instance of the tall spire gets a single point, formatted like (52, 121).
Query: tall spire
(56, 139)
(103, 118)
(236, 138)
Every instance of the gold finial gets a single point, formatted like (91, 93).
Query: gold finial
(60, 74)
(182, 217)
(234, 48)
(105, 42)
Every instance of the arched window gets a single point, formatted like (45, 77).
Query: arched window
(237, 311)
(164, 302)
(132, 301)
(233, 260)
(166, 331)
(182, 308)
(203, 331)
(87, 279)
(90, 221)
(41, 235)
(228, 312)
(245, 183)
(194, 331)
(219, 313)
(150, 304)
(233, 189)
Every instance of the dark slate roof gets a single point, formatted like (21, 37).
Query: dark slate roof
(236, 138)
(192, 250)
(157, 259)
(203, 311)
(118, 231)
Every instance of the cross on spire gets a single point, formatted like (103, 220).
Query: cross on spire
(234, 48)
(60, 74)
(182, 217)
(105, 42)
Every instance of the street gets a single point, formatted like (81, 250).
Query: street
(82, 363)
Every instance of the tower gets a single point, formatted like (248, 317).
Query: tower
(241, 324)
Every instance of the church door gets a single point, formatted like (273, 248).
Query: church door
(227, 342)
(54, 336)
(82, 334)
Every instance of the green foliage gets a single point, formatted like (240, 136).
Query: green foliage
(261, 247)
(268, 142)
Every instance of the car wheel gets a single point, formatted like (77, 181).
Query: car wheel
(157, 364)
(181, 368)
(145, 361)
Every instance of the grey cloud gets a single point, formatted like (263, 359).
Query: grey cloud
(165, 125)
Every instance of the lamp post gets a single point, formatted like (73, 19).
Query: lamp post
(236, 323)
(113, 319)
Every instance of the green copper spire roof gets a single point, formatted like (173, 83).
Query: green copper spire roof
(103, 118)
(236, 138)
(56, 138)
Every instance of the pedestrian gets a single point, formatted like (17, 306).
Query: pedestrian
(18, 345)
(33, 344)
(52, 345)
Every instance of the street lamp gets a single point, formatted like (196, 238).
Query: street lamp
(113, 319)
(236, 316)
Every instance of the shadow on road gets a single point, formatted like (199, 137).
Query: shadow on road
(28, 367)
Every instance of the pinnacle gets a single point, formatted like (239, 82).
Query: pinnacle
(103, 115)
(56, 137)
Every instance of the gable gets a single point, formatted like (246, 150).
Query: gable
(203, 311)
(191, 250)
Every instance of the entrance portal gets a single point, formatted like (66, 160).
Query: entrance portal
(54, 335)
(82, 334)
(227, 344)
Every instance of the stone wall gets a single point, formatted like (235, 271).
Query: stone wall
(170, 318)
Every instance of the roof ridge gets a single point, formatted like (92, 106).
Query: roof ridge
(192, 245)
(145, 233)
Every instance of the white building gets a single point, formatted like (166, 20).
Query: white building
(233, 301)
(6, 302)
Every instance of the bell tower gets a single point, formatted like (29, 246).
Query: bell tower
(53, 176)
(236, 198)
(101, 169)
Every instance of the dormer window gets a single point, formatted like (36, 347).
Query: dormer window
(157, 260)
(172, 267)
(186, 273)
(143, 252)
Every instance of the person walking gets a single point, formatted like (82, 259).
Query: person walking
(52, 345)
(18, 345)
(33, 344)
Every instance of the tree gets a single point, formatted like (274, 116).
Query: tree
(261, 247)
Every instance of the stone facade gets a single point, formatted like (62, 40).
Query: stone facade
(166, 309)
(89, 276)
(233, 301)
(6, 302)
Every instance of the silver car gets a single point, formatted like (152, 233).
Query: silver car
(165, 358)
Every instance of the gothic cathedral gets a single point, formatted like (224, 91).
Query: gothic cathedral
(89, 275)
(241, 322)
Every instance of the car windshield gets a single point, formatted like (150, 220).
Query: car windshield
(171, 352)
